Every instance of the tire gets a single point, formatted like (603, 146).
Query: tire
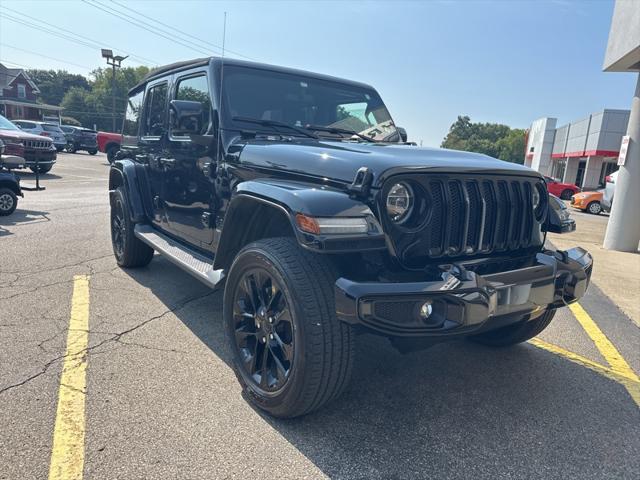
(111, 153)
(314, 348)
(71, 148)
(41, 169)
(566, 194)
(8, 202)
(594, 208)
(514, 334)
(93, 152)
(130, 252)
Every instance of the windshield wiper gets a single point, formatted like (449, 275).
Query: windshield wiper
(346, 131)
(275, 123)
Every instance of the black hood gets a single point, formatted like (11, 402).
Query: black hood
(339, 161)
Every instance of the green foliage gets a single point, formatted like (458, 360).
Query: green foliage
(53, 84)
(88, 100)
(493, 139)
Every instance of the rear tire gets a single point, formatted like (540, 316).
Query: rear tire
(566, 194)
(308, 362)
(514, 334)
(93, 152)
(594, 208)
(129, 250)
(8, 202)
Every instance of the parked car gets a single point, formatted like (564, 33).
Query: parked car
(588, 201)
(9, 187)
(301, 200)
(109, 143)
(32, 151)
(609, 190)
(80, 138)
(560, 189)
(44, 130)
(567, 223)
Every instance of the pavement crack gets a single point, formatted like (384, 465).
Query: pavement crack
(115, 338)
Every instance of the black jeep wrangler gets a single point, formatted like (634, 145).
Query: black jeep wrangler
(297, 193)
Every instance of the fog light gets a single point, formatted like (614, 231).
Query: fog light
(426, 310)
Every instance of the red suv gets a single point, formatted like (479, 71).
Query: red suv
(559, 189)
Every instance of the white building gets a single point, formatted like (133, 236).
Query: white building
(583, 152)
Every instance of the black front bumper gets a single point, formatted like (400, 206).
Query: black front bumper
(463, 302)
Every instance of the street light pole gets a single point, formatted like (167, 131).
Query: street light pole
(115, 61)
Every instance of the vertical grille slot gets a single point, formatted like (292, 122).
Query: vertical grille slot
(475, 216)
(491, 215)
(439, 216)
(456, 217)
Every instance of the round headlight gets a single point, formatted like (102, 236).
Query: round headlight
(535, 197)
(400, 202)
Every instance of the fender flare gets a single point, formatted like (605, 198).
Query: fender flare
(288, 198)
(125, 173)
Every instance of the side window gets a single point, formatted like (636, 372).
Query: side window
(156, 104)
(194, 89)
(132, 116)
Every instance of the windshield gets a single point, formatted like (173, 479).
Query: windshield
(51, 128)
(305, 102)
(6, 124)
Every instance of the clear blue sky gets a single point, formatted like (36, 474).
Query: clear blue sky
(496, 61)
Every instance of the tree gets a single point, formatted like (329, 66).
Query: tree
(493, 139)
(93, 106)
(53, 84)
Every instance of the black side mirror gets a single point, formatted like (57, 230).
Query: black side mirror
(185, 117)
(403, 134)
(558, 220)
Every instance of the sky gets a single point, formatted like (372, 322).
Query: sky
(496, 61)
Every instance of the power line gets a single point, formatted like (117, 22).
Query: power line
(67, 35)
(46, 56)
(141, 24)
(205, 42)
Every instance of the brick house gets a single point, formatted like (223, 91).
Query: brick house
(18, 97)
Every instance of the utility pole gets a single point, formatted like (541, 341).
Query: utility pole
(115, 61)
(623, 55)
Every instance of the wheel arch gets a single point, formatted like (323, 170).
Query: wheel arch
(11, 185)
(125, 174)
(259, 218)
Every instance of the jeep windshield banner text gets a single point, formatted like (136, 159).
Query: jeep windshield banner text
(297, 194)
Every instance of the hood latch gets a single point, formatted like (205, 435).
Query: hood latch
(361, 183)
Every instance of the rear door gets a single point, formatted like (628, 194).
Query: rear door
(151, 142)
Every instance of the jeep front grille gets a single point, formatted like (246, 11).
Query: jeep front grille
(37, 144)
(468, 215)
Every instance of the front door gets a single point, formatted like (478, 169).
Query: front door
(188, 179)
(582, 165)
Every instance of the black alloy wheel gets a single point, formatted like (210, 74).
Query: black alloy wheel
(129, 250)
(118, 229)
(289, 351)
(264, 329)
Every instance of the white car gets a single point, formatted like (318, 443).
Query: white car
(609, 189)
(44, 129)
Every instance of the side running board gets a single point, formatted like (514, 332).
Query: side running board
(196, 264)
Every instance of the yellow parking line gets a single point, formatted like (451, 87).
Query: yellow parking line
(608, 351)
(67, 454)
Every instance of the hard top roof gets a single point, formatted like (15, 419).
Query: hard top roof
(198, 62)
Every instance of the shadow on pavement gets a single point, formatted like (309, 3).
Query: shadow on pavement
(21, 217)
(457, 410)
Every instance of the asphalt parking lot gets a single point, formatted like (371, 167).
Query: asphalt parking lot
(160, 400)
